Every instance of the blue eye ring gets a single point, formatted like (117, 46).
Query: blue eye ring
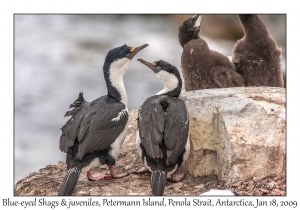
(158, 67)
(128, 54)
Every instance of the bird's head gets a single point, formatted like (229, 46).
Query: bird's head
(168, 75)
(119, 58)
(116, 63)
(189, 29)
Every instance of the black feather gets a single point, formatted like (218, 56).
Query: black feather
(69, 182)
(158, 182)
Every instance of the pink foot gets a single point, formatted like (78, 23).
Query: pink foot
(96, 177)
(175, 177)
(113, 173)
(141, 171)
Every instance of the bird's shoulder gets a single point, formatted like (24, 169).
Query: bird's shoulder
(104, 113)
(106, 106)
(164, 102)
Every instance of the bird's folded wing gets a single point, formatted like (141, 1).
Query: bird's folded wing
(71, 128)
(96, 126)
(101, 127)
(176, 130)
(151, 126)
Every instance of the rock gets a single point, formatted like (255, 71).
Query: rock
(277, 178)
(264, 191)
(237, 143)
(282, 187)
(244, 193)
(276, 192)
(237, 133)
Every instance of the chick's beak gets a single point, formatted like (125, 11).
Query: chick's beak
(195, 21)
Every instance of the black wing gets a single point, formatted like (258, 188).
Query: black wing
(163, 118)
(103, 121)
(70, 129)
(176, 129)
(151, 126)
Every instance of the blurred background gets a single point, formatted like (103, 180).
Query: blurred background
(58, 56)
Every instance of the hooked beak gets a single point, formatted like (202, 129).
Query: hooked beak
(152, 66)
(134, 51)
(195, 21)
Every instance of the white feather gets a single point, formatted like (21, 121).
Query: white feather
(173, 171)
(118, 143)
(138, 142)
(187, 150)
(93, 164)
(121, 113)
(169, 81)
(116, 73)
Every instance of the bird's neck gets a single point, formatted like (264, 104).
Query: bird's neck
(172, 85)
(174, 93)
(185, 37)
(253, 25)
(114, 80)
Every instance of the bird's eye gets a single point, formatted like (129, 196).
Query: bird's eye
(127, 55)
(158, 67)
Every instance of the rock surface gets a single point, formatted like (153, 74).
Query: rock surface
(237, 143)
(237, 133)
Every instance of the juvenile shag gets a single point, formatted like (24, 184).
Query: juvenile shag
(163, 127)
(96, 130)
(203, 68)
(256, 55)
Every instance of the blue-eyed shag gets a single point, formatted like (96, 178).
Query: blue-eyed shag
(163, 128)
(96, 130)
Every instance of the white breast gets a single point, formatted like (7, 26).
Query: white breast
(118, 143)
(170, 81)
(138, 142)
(116, 73)
(187, 150)
(93, 164)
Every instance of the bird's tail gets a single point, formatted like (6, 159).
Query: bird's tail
(69, 182)
(158, 182)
